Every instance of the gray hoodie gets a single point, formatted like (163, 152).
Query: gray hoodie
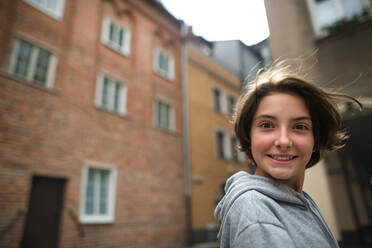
(259, 212)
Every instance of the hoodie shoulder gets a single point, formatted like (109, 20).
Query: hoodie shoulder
(253, 207)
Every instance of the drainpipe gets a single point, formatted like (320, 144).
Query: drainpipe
(186, 131)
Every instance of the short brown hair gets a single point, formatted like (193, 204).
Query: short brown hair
(326, 119)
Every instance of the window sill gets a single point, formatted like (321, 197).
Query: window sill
(347, 30)
(58, 15)
(124, 116)
(28, 83)
(92, 220)
(167, 131)
(168, 78)
(115, 49)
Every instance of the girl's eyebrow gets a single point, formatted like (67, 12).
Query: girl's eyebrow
(264, 116)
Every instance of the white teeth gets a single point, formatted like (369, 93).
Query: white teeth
(282, 158)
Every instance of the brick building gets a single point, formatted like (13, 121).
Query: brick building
(333, 40)
(91, 148)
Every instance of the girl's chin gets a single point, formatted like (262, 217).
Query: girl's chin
(281, 174)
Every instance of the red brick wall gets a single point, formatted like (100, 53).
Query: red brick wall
(55, 132)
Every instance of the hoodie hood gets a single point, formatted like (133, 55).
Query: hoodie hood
(241, 182)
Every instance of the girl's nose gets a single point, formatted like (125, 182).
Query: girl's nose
(283, 141)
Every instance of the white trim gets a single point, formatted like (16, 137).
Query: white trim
(33, 59)
(123, 93)
(224, 107)
(35, 50)
(42, 6)
(110, 216)
(51, 71)
(123, 99)
(170, 74)
(105, 30)
(171, 115)
(124, 47)
(13, 57)
(227, 146)
(99, 84)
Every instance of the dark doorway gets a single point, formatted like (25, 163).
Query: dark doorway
(44, 213)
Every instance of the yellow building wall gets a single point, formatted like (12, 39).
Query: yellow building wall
(207, 170)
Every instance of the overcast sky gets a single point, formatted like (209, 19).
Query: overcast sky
(223, 19)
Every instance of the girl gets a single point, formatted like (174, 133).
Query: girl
(284, 125)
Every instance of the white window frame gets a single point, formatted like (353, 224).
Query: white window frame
(42, 6)
(223, 102)
(340, 14)
(172, 123)
(124, 46)
(50, 75)
(122, 104)
(170, 74)
(226, 144)
(110, 216)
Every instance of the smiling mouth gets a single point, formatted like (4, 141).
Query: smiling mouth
(282, 158)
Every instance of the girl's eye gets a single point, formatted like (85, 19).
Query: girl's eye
(266, 125)
(301, 127)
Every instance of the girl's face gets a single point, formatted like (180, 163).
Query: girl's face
(282, 139)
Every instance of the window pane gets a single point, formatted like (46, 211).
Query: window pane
(231, 105)
(217, 100)
(121, 37)
(352, 8)
(104, 92)
(42, 65)
(52, 5)
(112, 30)
(117, 97)
(326, 13)
(89, 193)
(220, 138)
(103, 191)
(162, 114)
(163, 62)
(158, 117)
(23, 58)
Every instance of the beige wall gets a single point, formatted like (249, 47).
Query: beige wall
(317, 185)
(203, 75)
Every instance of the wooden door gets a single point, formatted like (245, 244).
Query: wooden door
(43, 218)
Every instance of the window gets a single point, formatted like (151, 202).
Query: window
(164, 64)
(33, 63)
(116, 36)
(326, 13)
(164, 116)
(53, 8)
(234, 150)
(220, 101)
(217, 100)
(98, 194)
(223, 143)
(111, 95)
(231, 105)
